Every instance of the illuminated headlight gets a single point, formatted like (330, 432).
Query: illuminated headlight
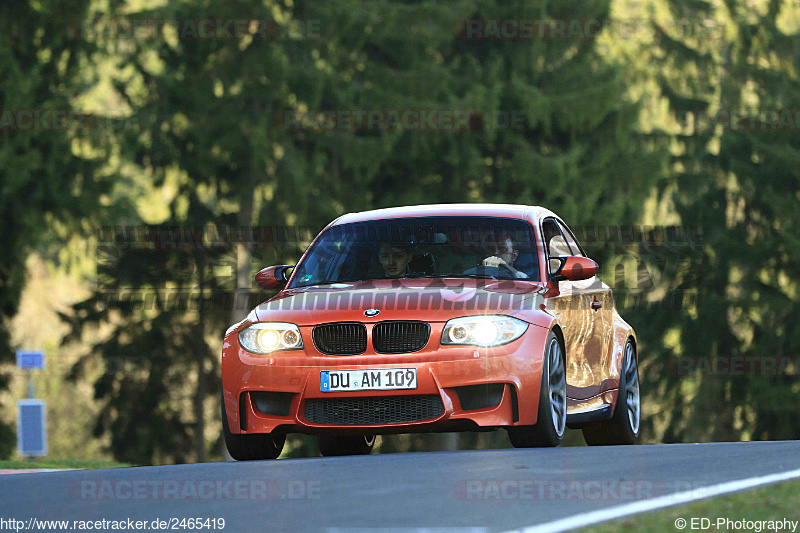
(268, 337)
(488, 330)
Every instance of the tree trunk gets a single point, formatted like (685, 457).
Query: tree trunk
(244, 282)
(201, 392)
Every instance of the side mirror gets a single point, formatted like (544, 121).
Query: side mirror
(574, 268)
(273, 278)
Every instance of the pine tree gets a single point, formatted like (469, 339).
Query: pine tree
(738, 183)
(45, 182)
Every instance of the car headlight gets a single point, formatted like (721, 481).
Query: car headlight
(268, 337)
(488, 330)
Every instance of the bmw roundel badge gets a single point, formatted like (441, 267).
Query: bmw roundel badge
(372, 312)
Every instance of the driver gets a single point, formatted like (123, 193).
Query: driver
(504, 254)
(394, 258)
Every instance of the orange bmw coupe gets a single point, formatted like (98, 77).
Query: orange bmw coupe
(456, 317)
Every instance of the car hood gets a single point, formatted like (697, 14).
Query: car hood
(431, 300)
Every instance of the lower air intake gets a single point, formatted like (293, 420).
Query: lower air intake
(373, 411)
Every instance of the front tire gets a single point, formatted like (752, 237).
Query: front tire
(624, 426)
(551, 420)
(253, 447)
(334, 445)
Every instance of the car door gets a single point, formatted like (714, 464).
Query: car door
(568, 307)
(594, 301)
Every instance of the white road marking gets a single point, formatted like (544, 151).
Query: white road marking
(31, 470)
(602, 515)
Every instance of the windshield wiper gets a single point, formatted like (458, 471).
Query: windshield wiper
(411, 275)
(470, 276)
(317, 284)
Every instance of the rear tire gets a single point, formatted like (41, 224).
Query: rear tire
(551, 421)
(334, 445)
(253, 447)
(624, 426)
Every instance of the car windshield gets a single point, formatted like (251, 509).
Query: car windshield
(421, 247)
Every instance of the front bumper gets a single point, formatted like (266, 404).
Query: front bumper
(441, 371)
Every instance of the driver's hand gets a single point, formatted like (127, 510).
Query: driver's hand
(494, 261)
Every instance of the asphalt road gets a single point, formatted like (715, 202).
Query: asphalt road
(488, 490)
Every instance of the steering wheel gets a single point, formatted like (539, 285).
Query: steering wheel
(498, 271)
(488, 271)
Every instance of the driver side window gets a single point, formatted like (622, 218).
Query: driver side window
(554, 243)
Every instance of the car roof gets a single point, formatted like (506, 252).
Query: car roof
(487, 210)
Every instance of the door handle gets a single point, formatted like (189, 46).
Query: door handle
(596, 305)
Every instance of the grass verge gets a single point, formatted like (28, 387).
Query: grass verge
(775, 502)
(67, 463)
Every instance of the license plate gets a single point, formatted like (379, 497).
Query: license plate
(368, 379)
